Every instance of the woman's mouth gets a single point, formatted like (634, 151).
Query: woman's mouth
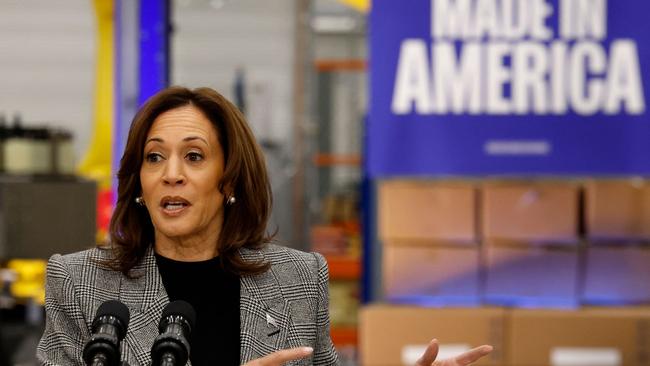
(174, 206)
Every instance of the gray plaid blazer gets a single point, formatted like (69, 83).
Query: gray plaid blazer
(284, 307)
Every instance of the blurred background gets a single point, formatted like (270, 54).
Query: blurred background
(474, 171)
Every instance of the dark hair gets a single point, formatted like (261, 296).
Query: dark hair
(244, 223)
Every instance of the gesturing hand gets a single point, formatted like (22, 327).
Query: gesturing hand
(464, 359)
(279, 358)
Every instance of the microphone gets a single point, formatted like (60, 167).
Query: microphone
(109, 328)
(171, 347)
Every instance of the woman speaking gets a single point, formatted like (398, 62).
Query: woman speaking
(190, 224)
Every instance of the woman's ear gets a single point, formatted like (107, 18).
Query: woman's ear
(227, 189)
(229, 195)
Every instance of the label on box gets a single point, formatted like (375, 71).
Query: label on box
(585, 356)
(411, 353)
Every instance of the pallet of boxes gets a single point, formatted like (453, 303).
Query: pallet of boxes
(549, 272)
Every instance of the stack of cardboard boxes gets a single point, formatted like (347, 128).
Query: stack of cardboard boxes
(617, 263)
(530, 241)
(430, 247)
(552, 245)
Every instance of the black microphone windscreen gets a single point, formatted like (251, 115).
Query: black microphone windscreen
(181, 308)
(116, 309)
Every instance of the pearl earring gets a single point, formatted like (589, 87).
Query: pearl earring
(139, 201)
(231, 200)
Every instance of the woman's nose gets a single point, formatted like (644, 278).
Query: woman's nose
(174, 173)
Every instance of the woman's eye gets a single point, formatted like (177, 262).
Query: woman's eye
(194, 156)
(153, 157)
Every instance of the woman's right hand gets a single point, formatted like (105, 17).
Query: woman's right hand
(279, 358)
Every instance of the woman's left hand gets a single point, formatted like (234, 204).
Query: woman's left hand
(464, 359)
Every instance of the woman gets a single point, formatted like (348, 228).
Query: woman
(190, 220)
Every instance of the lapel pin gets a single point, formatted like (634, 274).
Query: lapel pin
(272, 324)
(270, 321)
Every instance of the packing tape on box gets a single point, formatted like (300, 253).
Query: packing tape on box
(585, 356)
(412, 352)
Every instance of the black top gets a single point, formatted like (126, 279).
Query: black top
(214, 294)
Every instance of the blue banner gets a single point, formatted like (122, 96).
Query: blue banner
(509, 87)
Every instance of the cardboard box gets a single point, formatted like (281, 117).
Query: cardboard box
(531, 276)
(586, 337)
(535, 212)
(398, 335)
(431, 274)
(617, 275)
(617, 210)
(429, 211)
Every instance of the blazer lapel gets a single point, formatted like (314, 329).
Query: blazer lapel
(264, 314)
(146, 298)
